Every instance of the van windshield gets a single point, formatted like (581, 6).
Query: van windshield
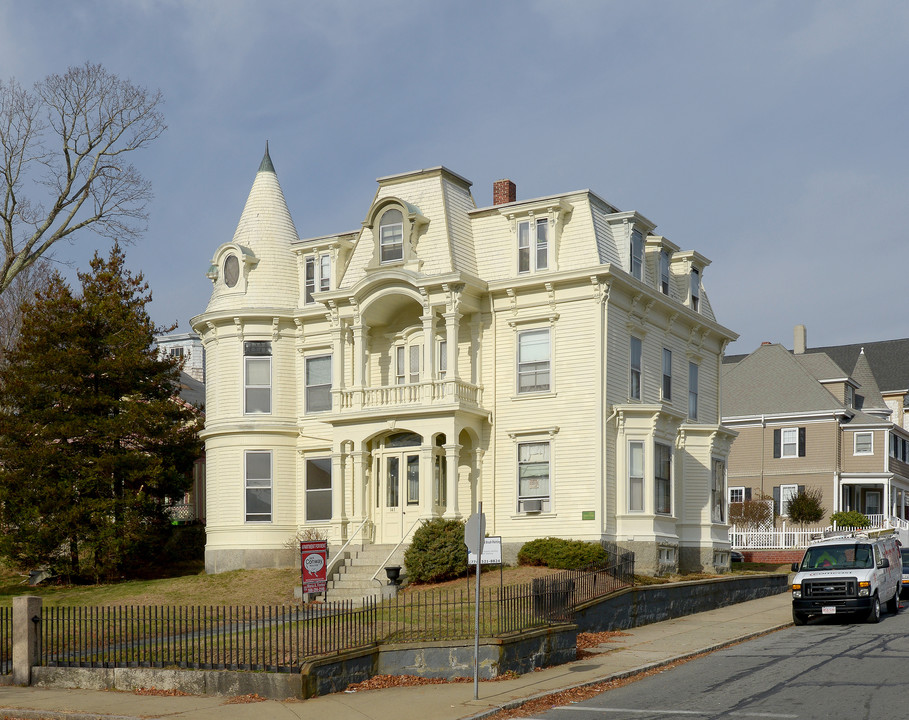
(846, 556)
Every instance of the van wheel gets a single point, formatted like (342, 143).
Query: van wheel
(874, 614)
(798, 618)
(893, 604)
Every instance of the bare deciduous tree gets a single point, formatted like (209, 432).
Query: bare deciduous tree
(22, 289)
(65, 148)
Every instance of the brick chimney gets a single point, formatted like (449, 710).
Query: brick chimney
(504, 191)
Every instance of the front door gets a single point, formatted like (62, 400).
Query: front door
(398, 489)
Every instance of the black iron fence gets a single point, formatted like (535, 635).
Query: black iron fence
(6, 640)
(281, 639)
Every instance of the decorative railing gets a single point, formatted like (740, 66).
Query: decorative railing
(422, 393)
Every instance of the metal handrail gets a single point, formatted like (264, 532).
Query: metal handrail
(340, 553)
(394, 550)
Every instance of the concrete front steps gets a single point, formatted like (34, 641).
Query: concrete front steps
(353, 579)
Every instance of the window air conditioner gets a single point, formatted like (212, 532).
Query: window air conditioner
(533, 506)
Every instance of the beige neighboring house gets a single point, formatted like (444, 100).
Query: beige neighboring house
(804, 421)
(552, 358)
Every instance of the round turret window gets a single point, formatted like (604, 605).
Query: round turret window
(231, 270)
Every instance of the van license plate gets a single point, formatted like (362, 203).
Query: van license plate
(828, 610)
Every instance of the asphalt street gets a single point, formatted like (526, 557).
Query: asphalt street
(830, 669)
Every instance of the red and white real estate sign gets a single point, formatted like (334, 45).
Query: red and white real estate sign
(314, 564)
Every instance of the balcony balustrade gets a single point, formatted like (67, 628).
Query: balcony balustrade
(432, 392)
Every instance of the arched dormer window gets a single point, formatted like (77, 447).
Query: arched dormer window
(391, 236)
(396, 226)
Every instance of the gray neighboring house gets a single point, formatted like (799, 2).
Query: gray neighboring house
(828, 418)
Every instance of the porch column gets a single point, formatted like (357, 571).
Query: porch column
(338, 490)
(452, 452)
(451, 345)
(426, 481)
(337, 366)
(360, 336)
(361, 491)
(428, 370)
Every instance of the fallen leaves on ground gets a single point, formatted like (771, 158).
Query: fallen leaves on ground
(241, 699)
(589, 640)
(380, 682)
(155, 691)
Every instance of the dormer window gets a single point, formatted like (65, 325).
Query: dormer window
(533, 245)
(664, 272)
(695, 289)
(636, 262)
(318, 275)
(391, 236)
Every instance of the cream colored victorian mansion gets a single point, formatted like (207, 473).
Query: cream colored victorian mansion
(552, 358)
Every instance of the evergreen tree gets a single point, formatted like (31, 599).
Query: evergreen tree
(93, 439)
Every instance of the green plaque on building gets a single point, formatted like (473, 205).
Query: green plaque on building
(588, 515)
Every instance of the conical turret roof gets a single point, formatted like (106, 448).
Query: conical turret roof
(265, 232)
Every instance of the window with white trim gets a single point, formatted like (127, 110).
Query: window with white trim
(789, 442)
(258, 483)
(257, 377)
(317, 276)
(666, 388)
(662, 479)
(736, 494)
(636, 349)
(863, 443)
(533, 245)
(391, 236)
(636, 260)
(534, 491)
(787, 492)
(414, 374)
(693, 372)
(317, 382)
(533, 361)
(635, 476)
(318, 489)
(443, 359)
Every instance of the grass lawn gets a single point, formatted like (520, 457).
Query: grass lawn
(258, 587)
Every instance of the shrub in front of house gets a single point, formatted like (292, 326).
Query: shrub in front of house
(562, 554)
(850, 519)
(437, 552)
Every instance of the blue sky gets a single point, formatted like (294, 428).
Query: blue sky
(769, 136)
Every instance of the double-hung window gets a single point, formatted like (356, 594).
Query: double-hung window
(636, 262)
(318, 383)
(533, 477)
(258, 479)
(533, 245)
(863, 443)
(695, 289)
(318, 489)
(693, 391)
(636, 476)
(414, 375)
(789, 442)
(666, 388)
(391, 236)
(664, 272)
(257, 377)
(736, 495)
(533, 361)
(443, 359)
(317, 275)
(662, 479)
(634, 390)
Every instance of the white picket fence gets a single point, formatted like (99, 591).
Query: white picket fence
(796, 536)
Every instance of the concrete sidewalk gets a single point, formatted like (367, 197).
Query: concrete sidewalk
(641, 648)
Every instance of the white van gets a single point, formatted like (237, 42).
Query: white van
(852, 573)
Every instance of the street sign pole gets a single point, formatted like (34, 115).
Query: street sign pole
(473, 538)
